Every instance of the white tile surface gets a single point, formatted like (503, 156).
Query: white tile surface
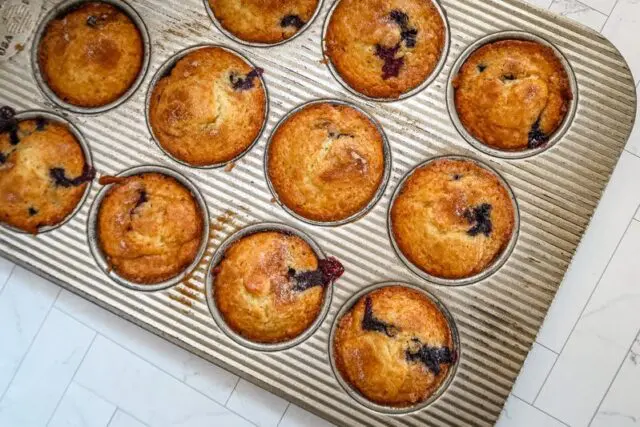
(146, 392)
(621, 406)
(122, 419)
(600, 340)
(24, 303)
(46, 372)
(259, 406)
(517, 413)
(205, 377)
(6, 267)
(622, 29)
(295, 416)
(617, 207)
(579, 12)
(82, 408)
(604, 6)
(533, 373)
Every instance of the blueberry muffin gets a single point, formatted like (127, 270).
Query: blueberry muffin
(43, 172)
(394, 346)
(512, 94)
(385, 48)
(270, 286)
(209, 108)
(149, 227)
(326, 161)
(263, 21)
(91, 55)
(452, 218)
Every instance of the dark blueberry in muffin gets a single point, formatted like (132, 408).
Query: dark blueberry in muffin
(6, 113)
(392, 65)
(371, 323)
(432, 357)
(92, 21)
(59, 178)
(292, 21)
(456, 177)
(142, 198)
(32, 211)
(508, 77)
(480, 218)
(328, 270)
(399, 17)
(245, 83)
(481, 67)
(3, 158)
(409, 37)
(536, 136)
(41, 123)
(407, 33)
(12, 127)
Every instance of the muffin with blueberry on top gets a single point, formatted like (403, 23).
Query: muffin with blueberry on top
(43, 172)
(512, 95)
(385, 48)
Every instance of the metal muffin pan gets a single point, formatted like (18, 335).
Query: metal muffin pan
(348, 305)
(430, 78)
(166, 68)
(65, 7)
(217, 258)
(494, 266)
(94, 240)
(476, 143)
(237, 39)
(497, 318)
(385, 176)
(86, 150)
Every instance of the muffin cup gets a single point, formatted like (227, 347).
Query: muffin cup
(101, 259)
(166, 67)
(434, 74)
(218, 256)
(32, 114)
(67, 6)
(385, 176)
(494, 266)
(385, 409)
(495, 152)
(236, 39)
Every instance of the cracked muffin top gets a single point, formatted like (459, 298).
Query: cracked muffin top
(149, 227)
(512, 94)
(326, 161)
(209, 108)
(452, 218)
(394, 346)
(263, 21)
(385, 48)
(270, 286)
(91, 55)
(43, 173)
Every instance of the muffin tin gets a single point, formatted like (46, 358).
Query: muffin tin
(497, 317)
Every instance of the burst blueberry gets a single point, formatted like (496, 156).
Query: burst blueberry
(292, 21)
(480, 219)
(371, 323)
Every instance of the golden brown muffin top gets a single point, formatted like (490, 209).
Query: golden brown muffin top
(326, 161)
(270, 286)
(210, 108)
(43, 173)
(91, 55)
(394, 346)
(149, 227)
(384, 48)
(512, 94)
(263, 21)
(452, 218)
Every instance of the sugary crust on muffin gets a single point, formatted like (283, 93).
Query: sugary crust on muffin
(520, 97)
(357, 27)
(254, 291)
(263, 21)
(376, 364)
(92, 55)
(434, 218)
(326, 162)
(149, 227)
(29, 196)
(196, 113)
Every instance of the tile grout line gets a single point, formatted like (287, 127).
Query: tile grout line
(66, 389)
(582, 311)
(283, 413)
(541, 410)
(115, 411)
(4, 284)
(231, 394)
(24, 356)
(547, 348)
(609, 16)
(615, 376)
(175, 378)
